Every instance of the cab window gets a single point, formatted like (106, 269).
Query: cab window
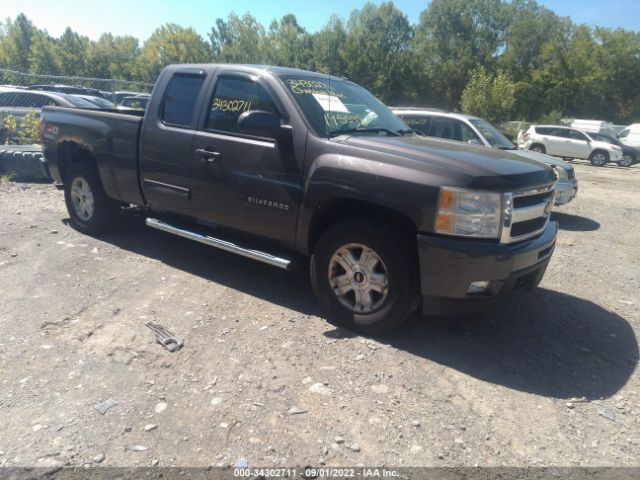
(180, 101)
(232, 97)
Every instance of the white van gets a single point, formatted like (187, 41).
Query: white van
(630, 136)
(595, 126)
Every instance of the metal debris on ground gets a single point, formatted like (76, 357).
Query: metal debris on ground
(165, 337)
(102, 407)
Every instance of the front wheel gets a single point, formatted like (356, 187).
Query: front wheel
(599, 158)
(364, 273)
(627, 160)
(90, 210)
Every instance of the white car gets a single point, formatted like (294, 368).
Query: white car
(630, 136)
(477, 131)
(567, 142)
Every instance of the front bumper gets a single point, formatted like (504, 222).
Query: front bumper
(566, 191)
(449, 265)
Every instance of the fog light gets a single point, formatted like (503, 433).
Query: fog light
(480, 286)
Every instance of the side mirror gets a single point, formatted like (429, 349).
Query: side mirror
(474, 141)
(263, 124)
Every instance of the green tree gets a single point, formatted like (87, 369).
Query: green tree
(489, 96)
(238, 40)
(375, 50)
(74, 53)
(16, 43)
(169, 44)
(452, 38)
(114, 57)
(44, 55)
(288, 44)
(327, 45)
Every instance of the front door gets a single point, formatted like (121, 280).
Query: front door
(243, 182)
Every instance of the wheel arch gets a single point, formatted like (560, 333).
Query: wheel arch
(336, 209)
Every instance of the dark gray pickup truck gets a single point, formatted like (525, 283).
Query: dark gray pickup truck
(285, 166)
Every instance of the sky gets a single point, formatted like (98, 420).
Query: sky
(141, 17)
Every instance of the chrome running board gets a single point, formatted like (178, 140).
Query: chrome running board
(263, 257)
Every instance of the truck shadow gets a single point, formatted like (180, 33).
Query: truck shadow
(574, 223)
(542, 342)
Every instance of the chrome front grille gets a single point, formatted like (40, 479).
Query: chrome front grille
(526, 213)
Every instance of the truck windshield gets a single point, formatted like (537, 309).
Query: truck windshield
(494, 136)
(334, 107)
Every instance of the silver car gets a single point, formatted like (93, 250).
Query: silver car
(477, 131)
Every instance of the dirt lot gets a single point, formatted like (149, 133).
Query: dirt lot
(548, 378)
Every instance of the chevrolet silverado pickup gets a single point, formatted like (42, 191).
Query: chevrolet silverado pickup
(286, 167)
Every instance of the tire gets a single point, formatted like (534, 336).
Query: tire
(381, 308)
(90, 210)
(627, 160)
(599, 158)
(536, 147)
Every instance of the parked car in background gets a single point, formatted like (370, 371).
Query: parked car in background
(138, 102)
(630, 136)
(477, 131)
(72, 89)
(100, 102)
(17, 103)
(630, 155)
(119, 95)
(594, 126)
(568, 143)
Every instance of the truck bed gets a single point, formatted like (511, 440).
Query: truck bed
(110, 136)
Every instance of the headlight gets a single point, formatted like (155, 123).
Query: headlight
(615, 147)
(561, 172)
(468, 213)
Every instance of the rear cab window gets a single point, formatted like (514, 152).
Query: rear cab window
(180, 101)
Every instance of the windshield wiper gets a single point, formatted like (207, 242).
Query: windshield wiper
(335, 133)
(508, 148)
(407, 131)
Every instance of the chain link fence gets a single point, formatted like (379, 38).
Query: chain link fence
(22, 96)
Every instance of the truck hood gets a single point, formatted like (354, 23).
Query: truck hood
(541, 157)
(475, 166)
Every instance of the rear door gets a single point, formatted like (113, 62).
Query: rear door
(554, 140)
(578, 146)
(166, 143)
(243, 182)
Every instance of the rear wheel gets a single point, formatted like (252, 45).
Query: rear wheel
(536, 147)
(599, 158)
(364, 273)
(627, 160)
(90, 210)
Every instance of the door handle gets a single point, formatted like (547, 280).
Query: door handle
(208, 155)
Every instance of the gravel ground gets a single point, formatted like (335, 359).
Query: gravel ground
(547, 378)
